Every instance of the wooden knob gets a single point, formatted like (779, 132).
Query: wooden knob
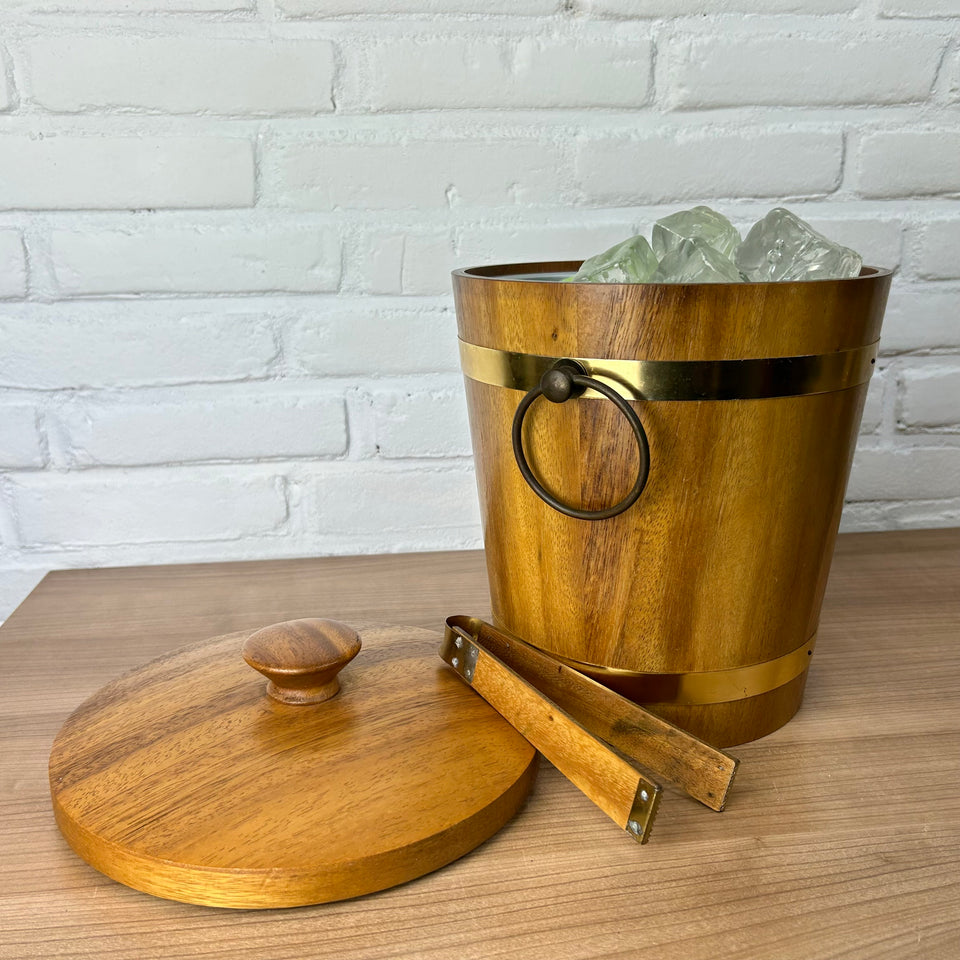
(301, 658)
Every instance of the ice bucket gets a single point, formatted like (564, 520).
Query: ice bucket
(661, 471)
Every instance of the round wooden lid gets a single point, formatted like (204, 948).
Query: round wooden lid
(193, 779)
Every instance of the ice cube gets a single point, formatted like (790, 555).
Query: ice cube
(631, 261)
(700, 223)
(781, 246)
(695, 261)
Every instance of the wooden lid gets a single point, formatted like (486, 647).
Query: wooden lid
(189, 780)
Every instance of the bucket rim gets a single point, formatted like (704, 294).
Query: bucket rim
(508, 273)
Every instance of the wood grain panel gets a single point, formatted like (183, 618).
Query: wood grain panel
(724, 559)
(709, 321)
(185, 780)
(841, 837)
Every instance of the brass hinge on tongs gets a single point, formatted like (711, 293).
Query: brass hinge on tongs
(593, 736)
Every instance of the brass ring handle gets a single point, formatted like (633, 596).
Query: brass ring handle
(566, 379)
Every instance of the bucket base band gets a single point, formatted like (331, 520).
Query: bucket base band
(751, 379)
(702, 687)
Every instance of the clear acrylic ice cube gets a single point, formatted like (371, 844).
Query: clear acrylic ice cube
(781, 246)
(631, 261)
(695, 261)
(700, 223)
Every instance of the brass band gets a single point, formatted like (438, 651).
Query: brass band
(752, 379)
(708, 686)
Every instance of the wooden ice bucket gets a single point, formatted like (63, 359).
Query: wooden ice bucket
(701, 598)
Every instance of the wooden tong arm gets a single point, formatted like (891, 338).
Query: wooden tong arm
(610, 780)
(668, 752)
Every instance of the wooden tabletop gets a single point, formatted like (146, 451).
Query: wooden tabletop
(841, 838)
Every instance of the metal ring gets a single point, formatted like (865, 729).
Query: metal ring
(563, 380)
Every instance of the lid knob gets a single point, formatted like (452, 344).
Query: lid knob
(301, 658)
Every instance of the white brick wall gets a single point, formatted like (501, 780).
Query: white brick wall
(5, 100)
(937, 250)
(336, 8)
(415, 175)
(56, 172)
(20, 438)
(359, 340)
(775, 68)
(363, 503)
(132, 343)
(227, 227)
(193, 258)
(428, 423)
(120, 507)
(13, 265)
(923, 318)
(928, 397)
(185, 75)
(677, 8)
(920, 8)
(131, 6)
(603, 70)
(676, 163)
(909, 473)
(250, 422)
(909, 163)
